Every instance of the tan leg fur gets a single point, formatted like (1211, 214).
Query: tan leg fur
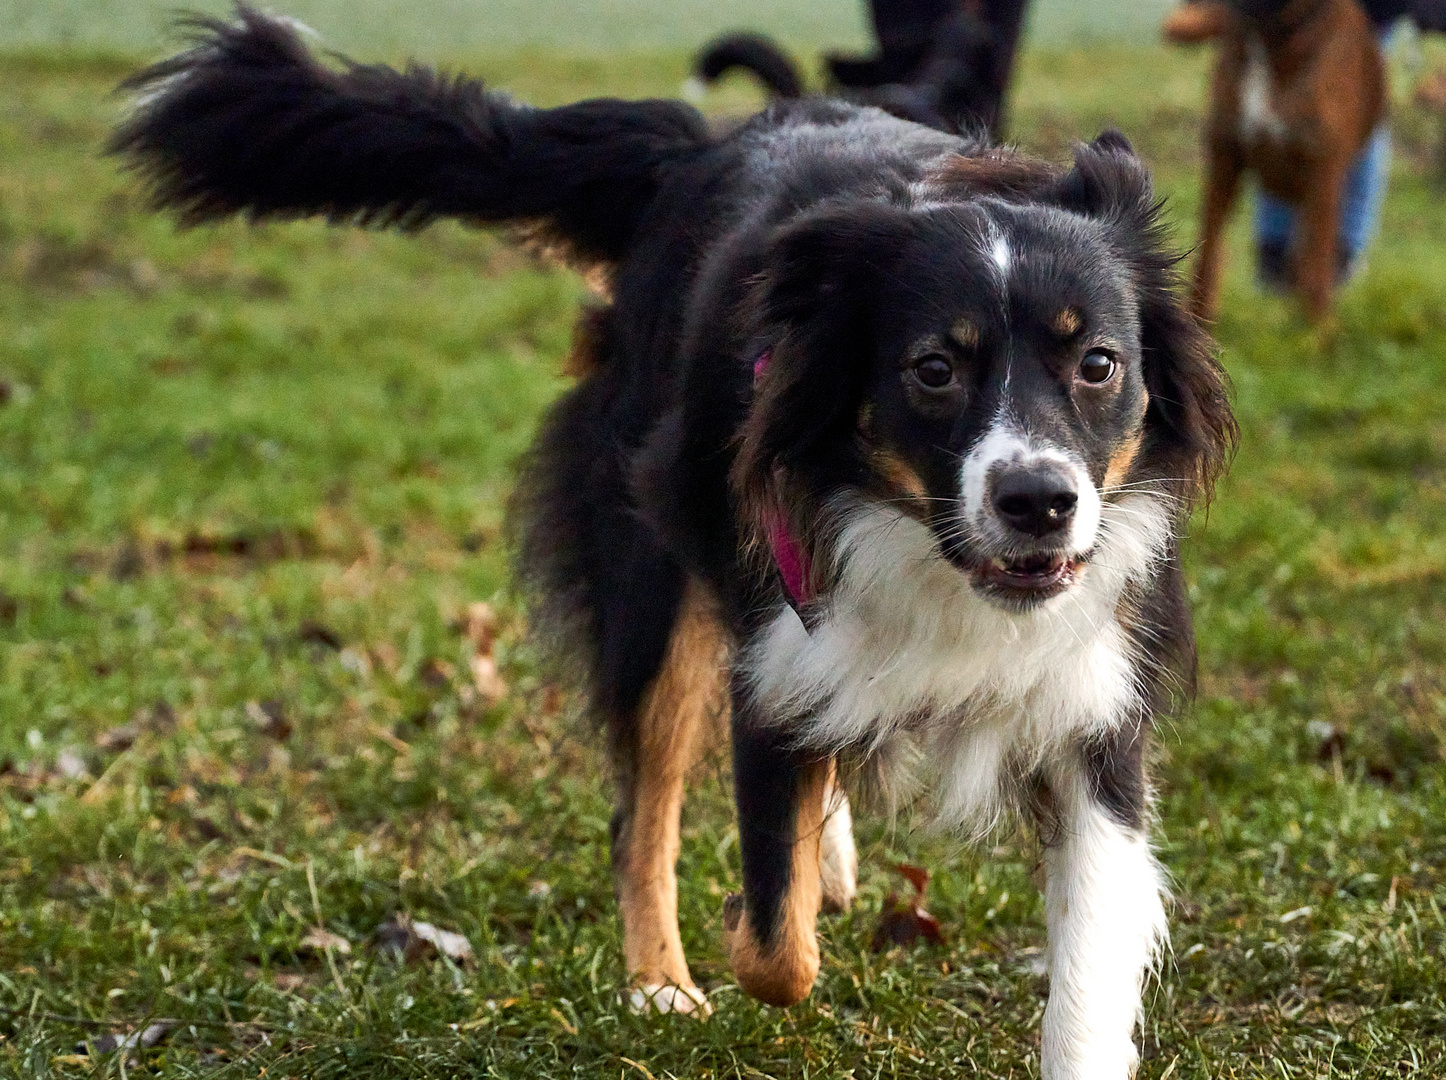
(686, 691)
(783, 972)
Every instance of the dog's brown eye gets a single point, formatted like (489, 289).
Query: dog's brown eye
(934, 371)
(1097, 367)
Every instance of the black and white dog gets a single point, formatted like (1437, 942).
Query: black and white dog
(883, 440)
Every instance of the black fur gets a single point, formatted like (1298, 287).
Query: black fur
(753, 53)
(248, 122)
(939, 63)
(832, 237)
(766, 774)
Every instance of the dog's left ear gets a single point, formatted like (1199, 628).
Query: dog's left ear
(1108, 181)
(1191, 428)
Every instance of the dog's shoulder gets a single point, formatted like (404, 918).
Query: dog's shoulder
(800, 152)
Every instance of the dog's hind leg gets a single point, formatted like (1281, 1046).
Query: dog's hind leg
(1316, 244)
(769, 930)
(1222, 182)
(1104, 907)
(654, 756)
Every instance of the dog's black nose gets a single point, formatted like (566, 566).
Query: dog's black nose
(1036, 501)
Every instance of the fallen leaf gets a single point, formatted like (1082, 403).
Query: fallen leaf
(118, 739)
(71, 765)
(411, 940)
(270, 719)
(916, 876)
(159, 717)
(437, 673)
(290, 981)
(312, 632)
(903, 922)
(321, 940)
(491, 687)
(384, 655)
(481, 627)
(135, 1040)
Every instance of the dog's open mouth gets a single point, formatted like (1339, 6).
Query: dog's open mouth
(1028, 577)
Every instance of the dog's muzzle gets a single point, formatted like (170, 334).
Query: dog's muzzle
(1030, 556)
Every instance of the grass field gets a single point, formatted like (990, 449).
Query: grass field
(460, 27)
(251, 479)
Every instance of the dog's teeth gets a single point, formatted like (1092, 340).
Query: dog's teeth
(999, 564)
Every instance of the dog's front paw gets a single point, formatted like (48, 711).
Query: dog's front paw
(781, 973)
(669, 997)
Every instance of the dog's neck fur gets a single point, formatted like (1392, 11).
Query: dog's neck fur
(902, 655)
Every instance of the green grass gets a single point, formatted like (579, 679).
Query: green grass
(216, 444)
(459, 27)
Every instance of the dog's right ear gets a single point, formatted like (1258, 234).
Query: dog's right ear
(811, 311)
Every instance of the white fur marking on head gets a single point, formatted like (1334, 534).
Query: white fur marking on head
(1104, 903)
(1002, 444)
(1000, 254)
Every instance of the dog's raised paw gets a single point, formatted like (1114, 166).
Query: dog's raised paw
(669, 997)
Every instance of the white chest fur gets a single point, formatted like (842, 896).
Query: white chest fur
(1259, 118)
(907, 651)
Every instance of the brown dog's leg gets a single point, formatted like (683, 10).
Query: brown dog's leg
(769, 931)
(650, 803)
(1316, 244)
(1222, 181)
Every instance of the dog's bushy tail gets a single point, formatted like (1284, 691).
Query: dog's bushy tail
(248, 121)
(753, 53)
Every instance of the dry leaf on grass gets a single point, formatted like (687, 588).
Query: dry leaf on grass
(412, 940)
(270, 719)
(320, 940)
(135, 1040)
(70, 765)
(312, 632)
(482, 633)
(436, 673)
(481, 626)
(491, 687)
(903, 922)
(118, 738)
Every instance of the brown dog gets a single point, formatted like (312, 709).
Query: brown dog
(1298, 87)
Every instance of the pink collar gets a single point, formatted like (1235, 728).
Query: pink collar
(788, 554)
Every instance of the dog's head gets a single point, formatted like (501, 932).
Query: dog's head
(1266, 14)
(1000, 362)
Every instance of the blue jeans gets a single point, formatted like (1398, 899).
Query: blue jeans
(1361, 199)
